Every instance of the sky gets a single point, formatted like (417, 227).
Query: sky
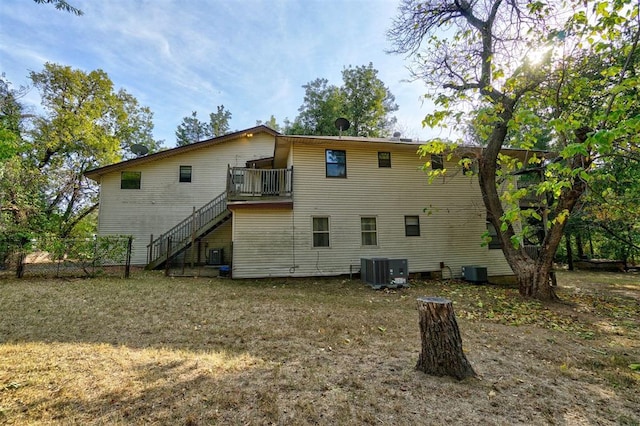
(179, 56)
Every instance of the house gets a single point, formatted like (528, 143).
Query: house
(273, 205)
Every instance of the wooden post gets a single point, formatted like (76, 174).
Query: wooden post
(127, 267)
(441, 353)
(193, 236)
(166, 263)
(150, 250)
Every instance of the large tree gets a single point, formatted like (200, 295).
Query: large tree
(219, 121)
(21, 204)
(521, 69)
(192, 129)
(363, 99)
(86, 124)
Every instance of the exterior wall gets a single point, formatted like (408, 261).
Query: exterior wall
(162, 201)
(263, 243)
(450, 227)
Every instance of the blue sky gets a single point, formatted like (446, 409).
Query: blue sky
(179, 56)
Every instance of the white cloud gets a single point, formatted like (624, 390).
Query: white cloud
(180, 56)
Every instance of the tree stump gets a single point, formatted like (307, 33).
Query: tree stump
(441, 353)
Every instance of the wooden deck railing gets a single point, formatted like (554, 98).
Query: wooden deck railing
(245, 183)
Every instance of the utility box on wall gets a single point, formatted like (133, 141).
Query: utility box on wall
(216, 256)
(474, 274)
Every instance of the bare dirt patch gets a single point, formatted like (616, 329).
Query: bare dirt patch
(153, 350)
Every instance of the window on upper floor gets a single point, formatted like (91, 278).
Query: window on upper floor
(320, 231)
(412, 226)
(369, 231)
(130, 180)
(336, 163)
(185, 173)
(437, 162)
(384, 159)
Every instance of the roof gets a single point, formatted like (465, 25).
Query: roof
(283, 143)
(95, 174)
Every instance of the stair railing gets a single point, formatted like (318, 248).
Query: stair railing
(184, 230)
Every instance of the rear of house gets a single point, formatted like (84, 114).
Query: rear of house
(272, 205)
(358, 198)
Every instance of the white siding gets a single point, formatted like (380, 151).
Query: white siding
(162, 201)
(263, 243)
(450, 228)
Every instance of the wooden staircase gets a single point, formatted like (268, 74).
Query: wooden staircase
(180, 237)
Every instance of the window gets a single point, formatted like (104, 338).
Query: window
(336, 163)
(185, 173)
(494, 243)
(412, 226)
(321, 232)
(130, 180)
(469, 165)
(384, 159)
(437, 162)
(369, 231)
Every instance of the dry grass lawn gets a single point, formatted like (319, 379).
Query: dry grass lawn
(155, 350)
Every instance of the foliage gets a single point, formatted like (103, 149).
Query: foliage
(272, 123)
(534, 74)
(62, 5)
(193, 130)
(219, 121)
(86, 124)
(363, 99)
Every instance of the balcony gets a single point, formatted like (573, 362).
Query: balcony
(252, 186)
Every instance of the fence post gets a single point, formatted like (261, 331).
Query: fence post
(150, 250)
(166, 263)
(127, 266)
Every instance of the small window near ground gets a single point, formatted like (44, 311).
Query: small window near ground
(494, 243)
(130, 180)
(384, 159)
(321, 232)
(369, 231)
(336, 163)
(412, 226)
(437, 162)
(185, 173)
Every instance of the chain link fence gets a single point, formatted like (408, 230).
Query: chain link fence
(69, 257)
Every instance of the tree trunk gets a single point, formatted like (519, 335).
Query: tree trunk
(579, 247)
(441, 353)
(567, 240)
(534, 280)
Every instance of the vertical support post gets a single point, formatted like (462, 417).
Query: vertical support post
(193, 234)
(150, 250)
(166, 263)
(127, 266)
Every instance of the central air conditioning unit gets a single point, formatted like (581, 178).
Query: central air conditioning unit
(399, 272)
(474, 274)
(383, 272)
